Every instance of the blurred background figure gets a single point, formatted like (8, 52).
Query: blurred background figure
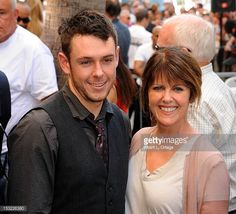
(200, 9)
(142, 55)
(36, 24)
(145, 51)
(112, 11)
(230, 46)
(139, 34)
(183, 10)
(154, 17)
(124, 89)
(192, 10)
(169, 9)
(125, 17)
(127, 6)
(24, 14)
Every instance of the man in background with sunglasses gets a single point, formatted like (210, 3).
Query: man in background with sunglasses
(23, 18)
(27, 63)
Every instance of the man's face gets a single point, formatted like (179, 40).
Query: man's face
(125, 17)
(8, 17)
(23, 18)
(91, 68)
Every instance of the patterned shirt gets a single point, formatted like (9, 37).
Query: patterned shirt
(216, 115)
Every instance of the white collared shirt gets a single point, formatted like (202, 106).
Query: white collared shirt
(216, 114)
(217, 110)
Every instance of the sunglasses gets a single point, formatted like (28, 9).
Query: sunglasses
(24, 20)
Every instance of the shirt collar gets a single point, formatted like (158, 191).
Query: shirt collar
(207, 68)
(78, 110)
(115, 20)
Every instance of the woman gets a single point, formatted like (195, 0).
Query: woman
(124, 88)
(172, 169)
(36, 24)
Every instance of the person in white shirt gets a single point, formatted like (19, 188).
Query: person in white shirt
(139, 35)
(145, 51)
(216, 113)
(27, 63)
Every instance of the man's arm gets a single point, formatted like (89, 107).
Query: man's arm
(139, 67)
(5, 105)
(5, 100)
(42, 81)
(32, 157)
(139, 60)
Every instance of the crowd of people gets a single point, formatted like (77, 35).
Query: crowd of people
(143, 124)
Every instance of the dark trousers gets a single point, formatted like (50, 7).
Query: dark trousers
(3, 179)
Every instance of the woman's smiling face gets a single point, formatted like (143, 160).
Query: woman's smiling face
(169, 102)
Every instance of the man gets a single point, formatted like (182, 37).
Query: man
(5, 105)
(216, 113)
(113, 9)
(145, 51)
(27, 63)
(125, 17)
(5, 114)
(24, 10)
(139, 35)
(76, 141)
